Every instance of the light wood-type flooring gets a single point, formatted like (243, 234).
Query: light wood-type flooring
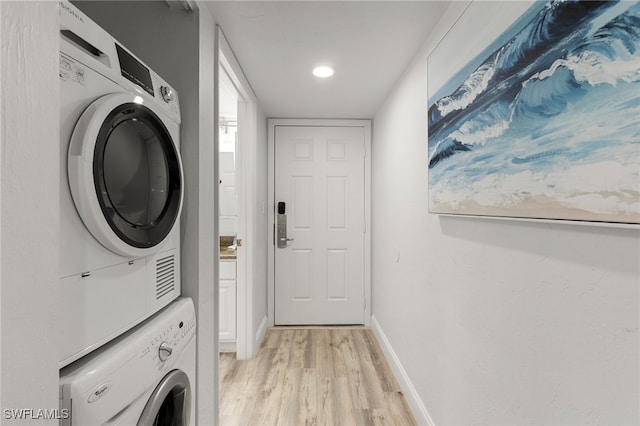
(312, 376)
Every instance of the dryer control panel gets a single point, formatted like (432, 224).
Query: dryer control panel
(89, 44)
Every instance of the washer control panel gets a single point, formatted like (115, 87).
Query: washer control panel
(172, 336)
(164, 351)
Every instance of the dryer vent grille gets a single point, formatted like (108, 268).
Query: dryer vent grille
(165, 274)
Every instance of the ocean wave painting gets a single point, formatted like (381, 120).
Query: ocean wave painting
(545, 122)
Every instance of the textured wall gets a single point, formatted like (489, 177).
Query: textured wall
(30, 214)
(497, 322)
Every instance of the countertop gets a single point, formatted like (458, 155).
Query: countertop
(227, 249)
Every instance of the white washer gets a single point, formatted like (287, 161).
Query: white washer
(145, 377)
(121, 188)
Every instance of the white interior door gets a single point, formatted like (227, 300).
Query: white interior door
(320, 176)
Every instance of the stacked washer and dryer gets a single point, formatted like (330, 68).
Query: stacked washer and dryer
(127, 339)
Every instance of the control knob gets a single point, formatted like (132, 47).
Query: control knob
(167, 93)
(164, 351)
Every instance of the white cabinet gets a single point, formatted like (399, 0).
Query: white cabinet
(227, 301)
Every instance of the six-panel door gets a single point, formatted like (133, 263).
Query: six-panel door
(320, 176)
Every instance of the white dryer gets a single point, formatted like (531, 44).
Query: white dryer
(121, 188)
(145, 377)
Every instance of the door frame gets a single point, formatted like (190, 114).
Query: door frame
(246, 158)
(312, 122)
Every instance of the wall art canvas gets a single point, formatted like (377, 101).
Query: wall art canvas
(541, 120)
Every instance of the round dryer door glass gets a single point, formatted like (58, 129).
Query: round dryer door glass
(137, 175)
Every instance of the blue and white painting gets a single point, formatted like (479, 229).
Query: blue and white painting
(544, 122)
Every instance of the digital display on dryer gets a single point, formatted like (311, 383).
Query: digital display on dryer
(133, 70)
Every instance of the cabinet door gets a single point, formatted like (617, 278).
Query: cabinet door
(227, 270)
(228, 310)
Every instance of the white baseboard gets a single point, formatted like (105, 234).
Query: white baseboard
(262, 330)
(228, 346)
(409, 391)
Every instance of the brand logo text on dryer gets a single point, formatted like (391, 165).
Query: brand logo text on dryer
(71, 12)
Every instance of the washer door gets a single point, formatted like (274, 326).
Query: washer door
(170, 402)
(125, 175)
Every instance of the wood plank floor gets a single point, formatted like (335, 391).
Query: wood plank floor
(312, 376)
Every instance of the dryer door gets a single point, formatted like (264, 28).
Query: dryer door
(125, 174)
(170, 402)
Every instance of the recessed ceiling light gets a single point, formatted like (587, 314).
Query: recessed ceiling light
(323, 72)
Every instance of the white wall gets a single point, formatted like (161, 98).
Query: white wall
(30, 214)
(208, 155)
(263, 233)
(206, 279)
(494, 321)
(179, 46)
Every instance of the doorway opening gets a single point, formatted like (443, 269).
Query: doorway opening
(236, 137)
(228, 212)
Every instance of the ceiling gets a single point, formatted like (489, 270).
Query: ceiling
(368, 43)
